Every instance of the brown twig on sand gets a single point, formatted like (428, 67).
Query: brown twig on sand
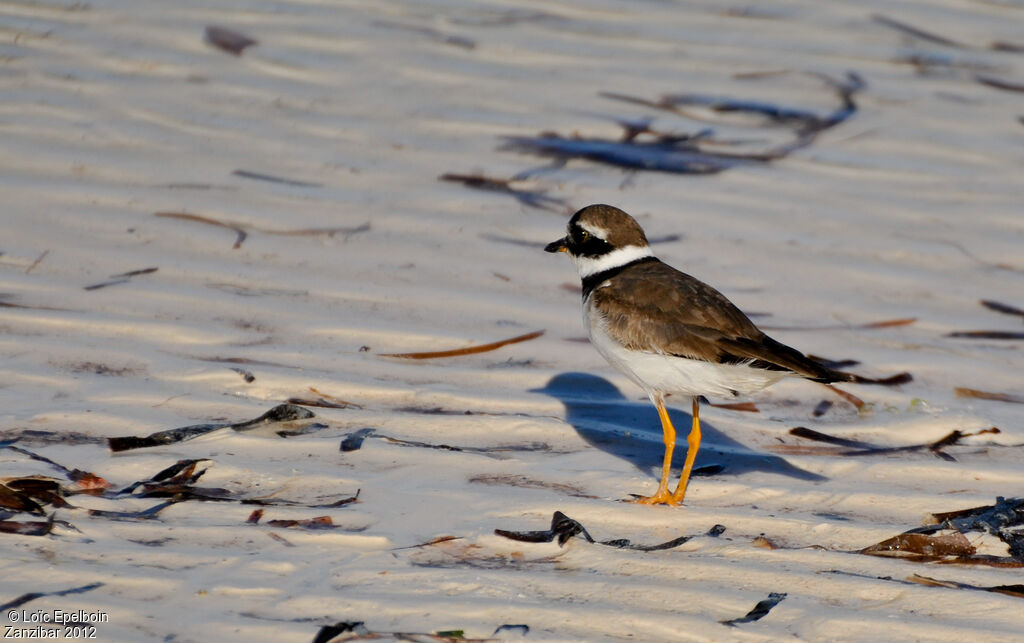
(241, 234)
(983, 395)
(469, 350)
(36, 262)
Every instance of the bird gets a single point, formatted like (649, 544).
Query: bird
(669, 332)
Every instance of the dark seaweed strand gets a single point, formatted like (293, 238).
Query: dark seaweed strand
(593, 281)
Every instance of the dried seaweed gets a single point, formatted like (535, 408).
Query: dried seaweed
(983, 395)
(344, 231)
(17, 501)
(38, 260)
(227, 40)
(433, 541)
(354, 440)
(469, 350)
(319, 522)
(715, 531)
(890, 323)
(31, 596)
(822, 408)
(564, 528)
(281, 502)
(1011, 47)
(746, 407)
(280, 539)
(1006, 309)
(817, 436)
(625, 543)
(529, 483)
(145, 514)
(104, 284)
(916, 32)
(87, 482)
(246, 375)
(922, 547)
(28, 528)
(1006, 513)
(121, 278)
(8, 304)
(858, 448)
(41, 488)
(1009, 590)
(491, 452)
(999, 83)
(760, 610)
(328, 632)
(846, 395)
(520, 629)
(978, 259)
(672, 154)
(178, 482)
(182, 471)
(932, 37)
(943, 539)
(259, 176)
(38, 437)
(324, 400)
(280, 413)
(806, 124)
(532, 198)
(245, 360)
(240, 233)
(461, 42)
(357, 631)
(987, 334)
(97, 368)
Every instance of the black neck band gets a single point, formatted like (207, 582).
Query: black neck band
(593, 281)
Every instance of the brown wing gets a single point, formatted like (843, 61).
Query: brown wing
(654, 307)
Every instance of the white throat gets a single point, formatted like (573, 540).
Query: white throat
(588, 266)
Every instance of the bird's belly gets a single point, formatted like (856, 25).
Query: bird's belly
(681, 375)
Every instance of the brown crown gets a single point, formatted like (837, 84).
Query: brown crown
(623, 230)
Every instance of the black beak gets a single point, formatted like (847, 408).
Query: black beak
(558, 246)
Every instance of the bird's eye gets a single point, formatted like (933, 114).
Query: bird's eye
(584, 236)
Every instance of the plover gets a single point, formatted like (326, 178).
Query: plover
(668, 332)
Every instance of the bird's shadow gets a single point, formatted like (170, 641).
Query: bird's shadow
(606, 419)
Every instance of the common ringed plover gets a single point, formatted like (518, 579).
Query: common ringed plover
(669, 332)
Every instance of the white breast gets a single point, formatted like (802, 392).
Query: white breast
(670, 374)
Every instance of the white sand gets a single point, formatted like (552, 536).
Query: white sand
(112, 111)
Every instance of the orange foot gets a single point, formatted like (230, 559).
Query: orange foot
(660, 498)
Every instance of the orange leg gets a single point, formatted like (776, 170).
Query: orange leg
(693, 444)
(662, 495)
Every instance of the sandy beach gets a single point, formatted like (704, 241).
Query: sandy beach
(192, 237)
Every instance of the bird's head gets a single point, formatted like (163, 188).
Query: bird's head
(601, 237)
